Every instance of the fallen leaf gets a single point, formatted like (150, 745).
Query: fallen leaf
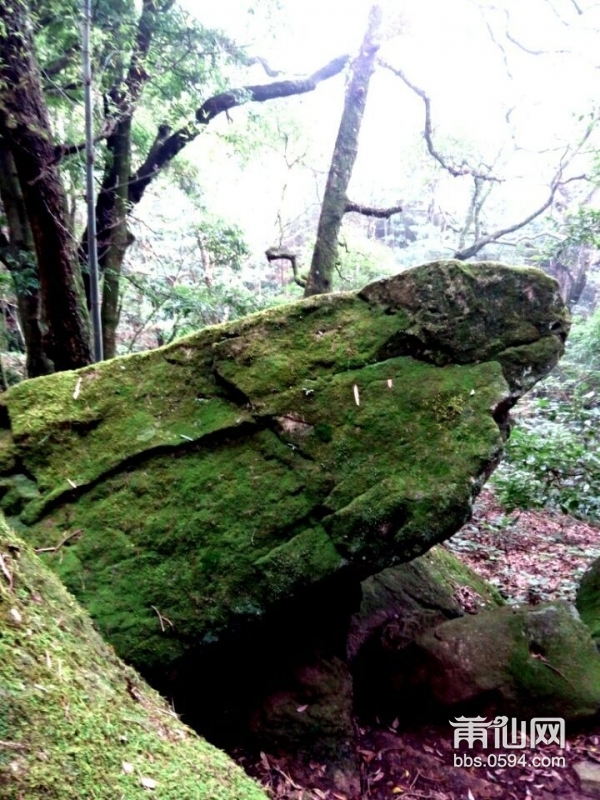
(16, 615)
(148, 783)
(127, 767)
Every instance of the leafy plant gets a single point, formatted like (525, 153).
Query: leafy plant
(553, 455)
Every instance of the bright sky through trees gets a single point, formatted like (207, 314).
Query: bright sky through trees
(512, 83)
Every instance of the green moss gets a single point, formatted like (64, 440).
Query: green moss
(74, 721)
(533, 662)
(202, 482)
(588, 599)
(8, 452)
(555, 665)
(449, 572)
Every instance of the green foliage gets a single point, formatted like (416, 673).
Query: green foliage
(174, 296)
(584, 342)
(553, 456)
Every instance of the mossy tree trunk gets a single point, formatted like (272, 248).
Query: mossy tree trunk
(25, 128)
(115, 237)
(345, 151)
(18, 254)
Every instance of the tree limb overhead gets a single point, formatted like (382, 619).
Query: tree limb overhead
(454, 169)
(217, 105)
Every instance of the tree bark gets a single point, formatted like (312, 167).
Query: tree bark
(115, 236)
(168, 145)
(335, 200)
(25, 126)
(18, 254)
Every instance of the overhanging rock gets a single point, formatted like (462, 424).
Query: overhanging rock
(190, 489)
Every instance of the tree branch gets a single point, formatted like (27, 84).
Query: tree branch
(55, 67)
(275, 254)
(370, 211)
(454, 170)
(557, 183)
(472, 250)
(64, 150)
(218, 104)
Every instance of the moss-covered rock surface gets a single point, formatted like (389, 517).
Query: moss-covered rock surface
(401, 602)
(188, 490)
(530, 661)
(588, 599)
(74, 721)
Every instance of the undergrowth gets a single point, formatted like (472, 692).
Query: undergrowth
(553, 454)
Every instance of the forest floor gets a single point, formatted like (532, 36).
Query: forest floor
(530, 557)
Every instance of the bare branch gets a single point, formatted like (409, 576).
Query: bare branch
(472, 250)
(222, 103)
(556, 184)
(276, 253)
(531, 52)
(454, 170)
(370, 211)
(272, 73)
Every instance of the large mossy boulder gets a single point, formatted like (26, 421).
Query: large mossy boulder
(75, 722)
(398, 605)
(588, 599)
(401, 602)
(520, 661)
(185, 492)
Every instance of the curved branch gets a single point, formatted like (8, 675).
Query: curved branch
(217, 105)
(454, 170)
(276, 254)
(472, 250)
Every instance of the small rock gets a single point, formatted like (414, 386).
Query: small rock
(589, 774)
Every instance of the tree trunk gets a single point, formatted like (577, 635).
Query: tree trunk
(25, 126)
(19, 257)
(344, 155)
(115, 235)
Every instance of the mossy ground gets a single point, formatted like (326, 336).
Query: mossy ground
(197, 485)
(74, 721)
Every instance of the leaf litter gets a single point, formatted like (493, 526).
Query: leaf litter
(530, 557)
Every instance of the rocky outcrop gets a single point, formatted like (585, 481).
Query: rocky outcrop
(588, 599)
(76, 722)
(397, 606)
(187, 492)
(401, 602)
(525, 662)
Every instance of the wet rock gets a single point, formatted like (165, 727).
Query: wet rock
(213, 479)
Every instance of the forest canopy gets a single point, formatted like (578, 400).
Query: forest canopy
(242, 159)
